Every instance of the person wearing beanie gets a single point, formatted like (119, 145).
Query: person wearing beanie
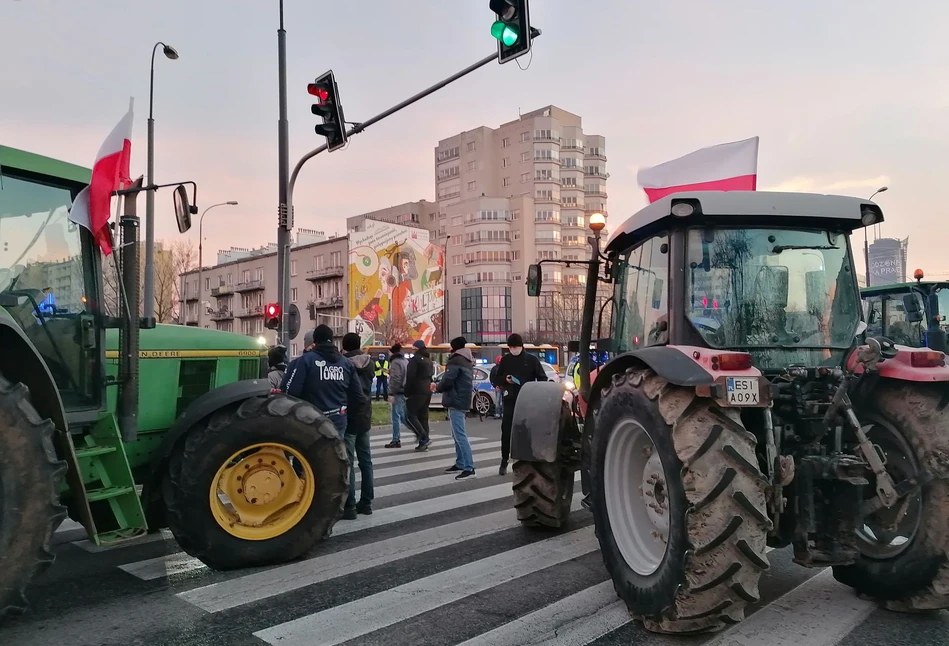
(397, 368)
(514, 370)
(457, 388)
(418, 394)
(357, 430)
(277, 361)
(325, 378)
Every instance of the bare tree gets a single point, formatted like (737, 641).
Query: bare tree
(171, 260)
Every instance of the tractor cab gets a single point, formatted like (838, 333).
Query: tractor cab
(913, 314)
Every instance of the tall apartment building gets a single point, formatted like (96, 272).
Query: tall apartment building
(232, 294)
(508, 197)
(422, 214)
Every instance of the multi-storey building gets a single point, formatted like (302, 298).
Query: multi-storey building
(422, 214)
(509, 197)
(232, 294)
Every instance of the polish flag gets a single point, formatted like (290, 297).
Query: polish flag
(92, 206)
(725, 167)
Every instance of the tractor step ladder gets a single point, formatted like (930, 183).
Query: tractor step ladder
(107, 498)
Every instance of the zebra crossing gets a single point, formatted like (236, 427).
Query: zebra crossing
(439, 561)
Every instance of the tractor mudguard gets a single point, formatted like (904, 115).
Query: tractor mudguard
(20, 362)
(538, 424)
(672, 363)
(199, 409)
(901, 366)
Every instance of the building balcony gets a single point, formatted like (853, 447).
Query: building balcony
(555, 220)
(222, 290)
(249, 286)
(487, 241)
(488, 281)
(191, 298)
(543, 240)
(596, 193)
(555, 140)
(325, 272)
(589, 212)
(575, 243)
(250, 312)
(596, 173)
(548, 160)
(325, 303)
(222, 314)
(541, 199)
(596, 155)
(571, 147)
(573, 225)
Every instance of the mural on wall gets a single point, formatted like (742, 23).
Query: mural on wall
(396, 291)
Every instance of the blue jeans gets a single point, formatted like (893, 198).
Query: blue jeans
(398, 416)
(357, 449)
(463, 457)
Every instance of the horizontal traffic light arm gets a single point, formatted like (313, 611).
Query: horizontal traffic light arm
(361, 126)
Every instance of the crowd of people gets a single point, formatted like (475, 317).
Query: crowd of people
(339, 384)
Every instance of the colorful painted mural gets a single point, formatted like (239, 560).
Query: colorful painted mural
(396, 290)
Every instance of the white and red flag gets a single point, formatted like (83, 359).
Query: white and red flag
(91, 208)
(725, 167)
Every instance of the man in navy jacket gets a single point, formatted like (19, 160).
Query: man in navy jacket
(326, 379)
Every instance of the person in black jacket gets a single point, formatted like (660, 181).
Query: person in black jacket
(326, 379)
(513, 371)
(457, 386)
(418, 394)
(357, 431)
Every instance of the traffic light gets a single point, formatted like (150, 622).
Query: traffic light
(272, 313)
(512, 28)
(329, 109)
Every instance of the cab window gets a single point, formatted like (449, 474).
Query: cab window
(641, 280)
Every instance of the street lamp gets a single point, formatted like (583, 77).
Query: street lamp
(172, 54)
(201, 255)
(866, 246)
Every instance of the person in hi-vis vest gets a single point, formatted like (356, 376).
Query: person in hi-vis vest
(382, 377)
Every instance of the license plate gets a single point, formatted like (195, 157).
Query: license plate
(742, 391)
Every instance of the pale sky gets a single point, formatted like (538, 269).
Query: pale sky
(846, 95)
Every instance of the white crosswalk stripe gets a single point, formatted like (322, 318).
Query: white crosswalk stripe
(435, 546)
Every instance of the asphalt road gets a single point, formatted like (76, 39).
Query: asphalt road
(440, 562)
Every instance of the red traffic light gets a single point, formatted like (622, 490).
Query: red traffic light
(317, 90)
(273, 309)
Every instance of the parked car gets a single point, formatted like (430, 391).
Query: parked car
(484, 399)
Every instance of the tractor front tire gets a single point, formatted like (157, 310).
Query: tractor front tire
(289, 433)
(543, 494)
(915, 577)
(30, 473)
(679, 504)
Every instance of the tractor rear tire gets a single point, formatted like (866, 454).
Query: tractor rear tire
(543, 494)
(915, 579)
(683, 537)
(275, 420)
(30, 473)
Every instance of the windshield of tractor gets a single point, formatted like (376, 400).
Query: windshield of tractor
(759, 289)
(42, 282)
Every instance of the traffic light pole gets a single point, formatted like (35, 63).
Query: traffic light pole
(286, 219)
(284, 213)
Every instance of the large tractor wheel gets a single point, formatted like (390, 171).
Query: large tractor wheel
(30, 511)
(543, 494)
(678, 503)
(905, 550)
(258, 485)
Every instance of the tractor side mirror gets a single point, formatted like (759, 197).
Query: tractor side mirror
(183, 209)
(910, 304)
(534, 280)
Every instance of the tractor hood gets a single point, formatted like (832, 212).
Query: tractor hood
(183, 341)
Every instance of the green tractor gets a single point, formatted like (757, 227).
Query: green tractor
(913, 314)
(127, 426)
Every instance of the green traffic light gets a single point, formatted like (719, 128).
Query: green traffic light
(507, 34)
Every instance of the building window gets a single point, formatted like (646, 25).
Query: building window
(259, 273)
(293, 267)
(486, 311)
(506, 142)
(457, 220)
(525, 177)
(293, 294)
(506, 181)
(505, 162)
(526, 136)
(245, 276)
(457, 260)
(515, 255)
(457, 280)
(472, 186)
(207, 284)
(471, 146)
(526, 156)
(318, 262)
(516, 214)
(457, 240)
(472, 165)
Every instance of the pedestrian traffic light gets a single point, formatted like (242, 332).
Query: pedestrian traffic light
(329, 109)
(512, 28)
(272, 314)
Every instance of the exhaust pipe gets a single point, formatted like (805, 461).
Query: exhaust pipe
(129, 225)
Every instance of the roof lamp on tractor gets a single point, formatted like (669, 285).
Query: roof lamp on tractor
(743, 405)
(96, 404)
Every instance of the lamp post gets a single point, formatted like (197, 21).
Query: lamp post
(866, 245)
(149, 296)
(201, 254)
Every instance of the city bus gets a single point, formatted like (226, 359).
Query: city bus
(483, 354)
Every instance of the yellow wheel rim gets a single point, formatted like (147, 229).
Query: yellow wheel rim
(262, 491)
